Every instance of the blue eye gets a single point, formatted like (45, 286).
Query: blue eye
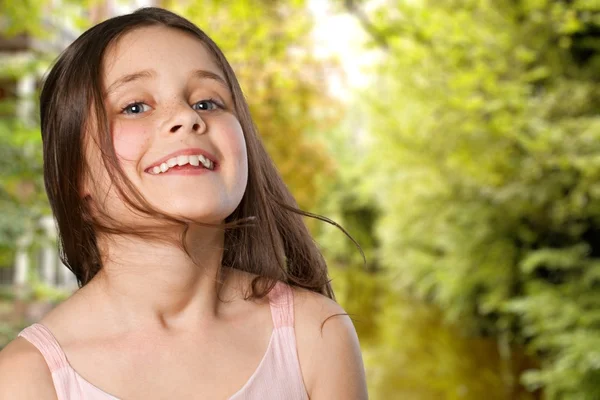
(135, 108)
(206, 105)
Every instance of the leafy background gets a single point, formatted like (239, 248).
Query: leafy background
(467, 168)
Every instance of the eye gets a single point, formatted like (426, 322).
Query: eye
(135, 108)
(206, 105)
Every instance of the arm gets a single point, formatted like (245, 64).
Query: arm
(24, 374)
(329, 353)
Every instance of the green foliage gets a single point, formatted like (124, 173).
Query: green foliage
(485, 117)
(409, 351)
(21, 17)
(22, 196)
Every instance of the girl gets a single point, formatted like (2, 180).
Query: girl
(198, 278)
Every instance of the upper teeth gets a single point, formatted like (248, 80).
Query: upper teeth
(194, 160)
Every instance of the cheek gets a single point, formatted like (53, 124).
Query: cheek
(130, 139)
(234, 140)
(237, 147)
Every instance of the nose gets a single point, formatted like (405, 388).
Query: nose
(186, 119)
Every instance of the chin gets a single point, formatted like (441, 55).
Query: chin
(206, 212)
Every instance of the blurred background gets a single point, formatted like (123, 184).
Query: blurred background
(456, 140)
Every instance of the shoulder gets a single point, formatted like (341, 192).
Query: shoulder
(328, 348)
(24, 373)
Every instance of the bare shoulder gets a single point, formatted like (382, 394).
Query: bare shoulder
(328, 348)
(24, 373)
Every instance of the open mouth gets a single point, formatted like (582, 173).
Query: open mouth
(182, 162)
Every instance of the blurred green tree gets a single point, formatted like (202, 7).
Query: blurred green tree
(485, 163)
(408, 350)
(22, 197)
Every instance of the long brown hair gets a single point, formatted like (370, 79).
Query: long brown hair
(265, 235)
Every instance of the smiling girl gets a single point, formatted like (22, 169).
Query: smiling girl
(198, 278)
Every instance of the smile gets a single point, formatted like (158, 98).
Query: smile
(194, 160)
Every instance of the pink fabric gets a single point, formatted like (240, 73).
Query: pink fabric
(278, 375)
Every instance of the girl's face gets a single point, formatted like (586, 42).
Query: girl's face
(168, 103)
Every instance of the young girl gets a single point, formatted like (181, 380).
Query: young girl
(198, 278)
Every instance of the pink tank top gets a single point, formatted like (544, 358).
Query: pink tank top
(278, 375)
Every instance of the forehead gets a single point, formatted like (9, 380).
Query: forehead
(167, 50)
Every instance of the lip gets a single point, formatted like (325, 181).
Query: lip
(184, 152)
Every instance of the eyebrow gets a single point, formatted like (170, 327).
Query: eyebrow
(146, 74)
(203, 74)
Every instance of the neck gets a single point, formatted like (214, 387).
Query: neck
(154, 285)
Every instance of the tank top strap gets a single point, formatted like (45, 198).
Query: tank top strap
(281, 300)
(41, 337)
